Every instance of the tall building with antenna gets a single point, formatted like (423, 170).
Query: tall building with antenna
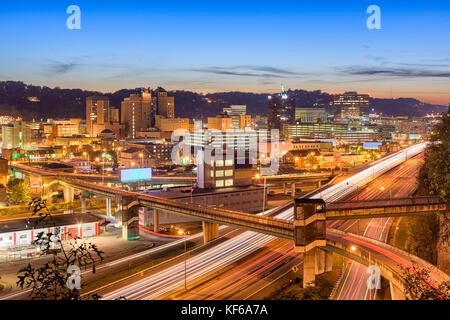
(280, 110)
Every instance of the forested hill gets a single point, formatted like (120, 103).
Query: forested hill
(36, 102)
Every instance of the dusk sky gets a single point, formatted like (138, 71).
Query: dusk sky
(210, 46)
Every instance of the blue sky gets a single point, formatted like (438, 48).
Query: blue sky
(210, 46)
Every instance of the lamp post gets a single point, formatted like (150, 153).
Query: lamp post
(141, 155)
(103, 167)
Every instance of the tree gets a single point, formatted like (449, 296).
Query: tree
(113, 156)
(418, 285)
(435, 174)
(312, 160)
(52, 280)
(19, 190)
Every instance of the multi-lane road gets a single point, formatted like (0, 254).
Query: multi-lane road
(400, 182)
(250, 278)
(162, 284)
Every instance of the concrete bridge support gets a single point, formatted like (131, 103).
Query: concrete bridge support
(397, 293)
(210, 231)
(328, 261)
(108, 207)
(315, 261)
(309, 268)
(319, 261)
(155, 220)
(83, 203)
(49, 187)
(68, 194)
(127, 217)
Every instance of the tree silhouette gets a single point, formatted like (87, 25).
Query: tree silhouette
(51, 280)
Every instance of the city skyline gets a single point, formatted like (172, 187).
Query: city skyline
(216, 47)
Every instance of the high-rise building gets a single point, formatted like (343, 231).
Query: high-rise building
(97, 112)
(136, 113)
(165, 105)
(16, 135)
(115, 115)
(239, 116)
(281, 109)
(351, 106)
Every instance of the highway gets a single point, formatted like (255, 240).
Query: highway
(163, 283)
(249, 279)
(400, 182)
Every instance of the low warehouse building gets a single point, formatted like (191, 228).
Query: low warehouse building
(22, 232)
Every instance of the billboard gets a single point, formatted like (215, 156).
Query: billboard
(371, 145)
(134, 175)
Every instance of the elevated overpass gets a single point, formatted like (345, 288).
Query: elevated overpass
(128, 202)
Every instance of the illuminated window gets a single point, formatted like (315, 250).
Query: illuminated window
(212, 173)
(219, 183)
(229, 182)
(219, 173)
(219, 163)
(228, 173)
(229, 162)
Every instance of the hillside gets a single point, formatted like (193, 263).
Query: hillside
(36, 102)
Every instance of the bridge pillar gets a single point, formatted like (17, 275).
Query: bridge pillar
(319, 183)
(210, 231)
(309, 268)
(48, 186)
(68, 194)
(320, 261)
(284, 188)
(128, 217)
(293, 190)
(108, 207)
(397, 293)
(83, 203)
(328, 261)
(155, 220)
(309, 234)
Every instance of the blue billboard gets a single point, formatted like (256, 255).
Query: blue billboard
(371, 145)
(134, 175)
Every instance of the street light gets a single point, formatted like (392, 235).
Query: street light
(390, 191)
(141, 155)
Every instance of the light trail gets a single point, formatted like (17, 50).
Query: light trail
(162, 283)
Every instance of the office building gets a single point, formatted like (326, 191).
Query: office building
(235, 110)
(172, 124)
(136, 113)
(310, 115)
(220, 122)
(280, 111)
(351, 106)
(97, 112)
(16, 135)
(304, 130)
(164, 105)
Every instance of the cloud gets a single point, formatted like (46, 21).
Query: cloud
(61, 68)
(395, 72)
(248, 71)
